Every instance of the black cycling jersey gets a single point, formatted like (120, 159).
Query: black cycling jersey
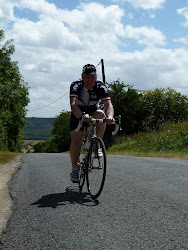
(88, 101)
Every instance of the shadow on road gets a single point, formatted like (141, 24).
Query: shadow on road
(71, 196)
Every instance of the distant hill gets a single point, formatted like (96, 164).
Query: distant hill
(38, 128)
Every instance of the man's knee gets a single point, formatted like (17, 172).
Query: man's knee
(99, 114)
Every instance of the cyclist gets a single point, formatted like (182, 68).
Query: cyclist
(85, 94)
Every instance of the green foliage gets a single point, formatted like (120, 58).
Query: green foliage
(6, 156)
(149, 109)
(3, 136)
(127, 103)
(170, 138)
(38, 128)
(163, 105)
(61, 132)
(60, 136)
(173, 137)
(13, 99)
(47, 146)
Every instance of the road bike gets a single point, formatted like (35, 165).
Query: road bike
(92, 161)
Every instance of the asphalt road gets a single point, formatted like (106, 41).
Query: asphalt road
(144, 205)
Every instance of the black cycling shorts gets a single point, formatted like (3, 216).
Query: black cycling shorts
(74, 120)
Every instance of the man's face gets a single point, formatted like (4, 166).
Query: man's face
(89, 80)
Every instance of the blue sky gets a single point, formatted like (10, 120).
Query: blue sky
(144, 43)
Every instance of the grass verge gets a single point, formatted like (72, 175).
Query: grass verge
(6, 156)
(170, 141)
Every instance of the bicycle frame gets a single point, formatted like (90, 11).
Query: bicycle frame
(89, 133)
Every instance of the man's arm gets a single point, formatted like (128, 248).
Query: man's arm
(74, 107)
(109, 110)
(76, 110)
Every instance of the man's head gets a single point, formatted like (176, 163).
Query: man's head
(89, 76)
(89, 69)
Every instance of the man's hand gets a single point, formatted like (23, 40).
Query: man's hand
(87, 118)
(109, 120)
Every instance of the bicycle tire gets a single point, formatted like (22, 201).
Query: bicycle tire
(82, 171)
(81, 175)
(96, 168)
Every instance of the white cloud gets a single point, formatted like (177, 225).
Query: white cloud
(95, 31)
(6, 12)
(76, 29)
(145, 36)
(145, 4)
(184, 12)
(45, 33)
(40, 6)
(130, 16)
(30, 67)
(183, 40)
(152, 68)
(153, 16)
(52, 51)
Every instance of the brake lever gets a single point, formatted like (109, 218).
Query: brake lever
(118, 125)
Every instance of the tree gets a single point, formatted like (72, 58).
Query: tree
(61, 131)
(164, 105)
(60, 136)
(13, 98)
(127, 103)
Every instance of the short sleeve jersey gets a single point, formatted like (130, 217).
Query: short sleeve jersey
(89, 100)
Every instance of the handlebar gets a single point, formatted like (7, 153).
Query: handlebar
(116, 121)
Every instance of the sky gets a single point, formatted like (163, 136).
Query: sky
(144, 43)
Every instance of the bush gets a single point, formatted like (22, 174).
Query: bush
(169, 138)
(163, 105)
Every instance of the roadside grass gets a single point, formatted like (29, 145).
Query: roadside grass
(6, 156)
(171, 141)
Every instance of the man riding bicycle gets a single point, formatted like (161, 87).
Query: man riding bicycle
(85, 94)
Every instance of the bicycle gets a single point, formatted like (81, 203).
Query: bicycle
(92, 161)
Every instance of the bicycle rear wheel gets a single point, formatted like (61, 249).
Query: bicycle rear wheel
(96, 167)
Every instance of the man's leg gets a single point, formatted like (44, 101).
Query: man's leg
(75, 147)
(76, 139)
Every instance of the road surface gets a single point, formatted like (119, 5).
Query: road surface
(144, 205)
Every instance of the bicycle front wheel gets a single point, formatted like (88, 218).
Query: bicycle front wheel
(82, 169)
(96, 167)
(81, 175)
